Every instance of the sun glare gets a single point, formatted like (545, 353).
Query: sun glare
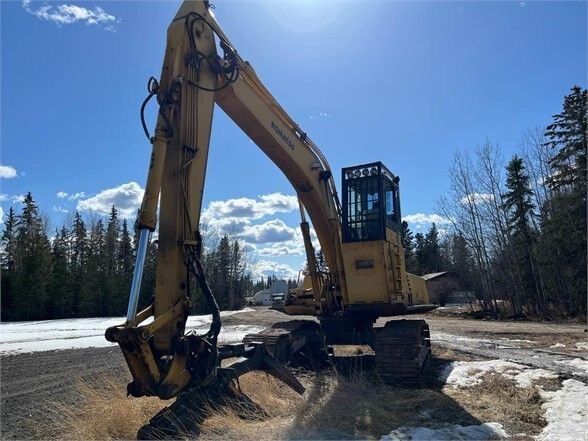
(304, 15)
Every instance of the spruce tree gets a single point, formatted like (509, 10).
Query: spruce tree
(60, 304)
(125, 269)
(432, 250)
(32, 273)
(564, 215)
(9, 264)
(519, 207)
(568, 139)
(407, 240)
(108, 304)
(78, 264)
(91, 304)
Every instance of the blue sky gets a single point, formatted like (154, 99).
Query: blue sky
(404, 83)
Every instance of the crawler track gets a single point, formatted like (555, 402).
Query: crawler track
(403, 348)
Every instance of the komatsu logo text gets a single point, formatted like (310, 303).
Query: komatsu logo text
(282, 135)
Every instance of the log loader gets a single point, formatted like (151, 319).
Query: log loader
(364, 277)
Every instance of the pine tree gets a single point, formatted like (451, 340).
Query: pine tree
(60, 294)
(407, 240)
(568, 138)
(91, 304)
(517, 202)
(108, 305)
(78, 263)
(427, 251)
(125, 270)
(564, 215)
(236, 295)
(433, 251)
(420, 253)
(223, 271)
(9, 265)
(32, 273)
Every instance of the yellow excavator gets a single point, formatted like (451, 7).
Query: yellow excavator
(364, 277)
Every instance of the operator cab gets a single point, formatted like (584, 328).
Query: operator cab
(371, 202)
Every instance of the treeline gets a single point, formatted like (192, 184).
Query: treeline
(86, 268)
(426, 253)
(519, 229)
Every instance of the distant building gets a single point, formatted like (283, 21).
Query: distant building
(266, 297)
(445, 288)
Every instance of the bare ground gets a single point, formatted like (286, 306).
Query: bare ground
(40, 390)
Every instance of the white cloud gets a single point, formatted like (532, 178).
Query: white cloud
(269, 232)
(235, 217)
(126, 198)
(324, 115)
(64, 14)
(60, 209)
(477, 198)
(281, 249)
(420, 219)
(72, 196)
(267, 268)
(266, 205)
(7, 172)
(14, 199)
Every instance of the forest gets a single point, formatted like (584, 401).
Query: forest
(514, 232)
(85, 270)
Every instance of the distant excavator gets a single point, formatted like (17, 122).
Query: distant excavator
(364, 277)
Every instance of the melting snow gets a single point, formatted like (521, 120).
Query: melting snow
(451, 338)
(580, 365)
(50, 335)
(557, 345)
(454, 432)
(516, 340)
(470, 373)
(566, 412)
(582, 346)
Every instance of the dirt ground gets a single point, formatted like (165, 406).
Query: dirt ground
(32, 383)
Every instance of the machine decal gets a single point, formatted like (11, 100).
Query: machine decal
(282, 135)
(364, 264)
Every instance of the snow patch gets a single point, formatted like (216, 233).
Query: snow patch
(557, 345)
(566, 412)
(529, 376)
(441, 336)
(453, 432)
(463, 374)
(51, 335)
(581, 366)
(582, 346)
(516, 340)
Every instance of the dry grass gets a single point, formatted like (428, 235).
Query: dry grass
(333, 407)
(499, 399)
(103, 412)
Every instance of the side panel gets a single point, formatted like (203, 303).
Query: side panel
(365, 269)
(418, 289)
